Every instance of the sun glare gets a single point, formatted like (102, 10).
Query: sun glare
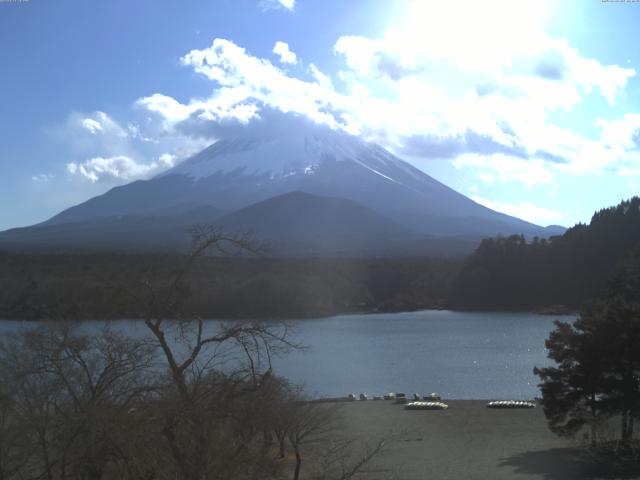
(475, 34)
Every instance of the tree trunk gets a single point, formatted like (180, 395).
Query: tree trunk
(176, 372)
(594, 440)
(296, 473)
(625, 426)
(267, 439)
(47, 462)
(169, 436)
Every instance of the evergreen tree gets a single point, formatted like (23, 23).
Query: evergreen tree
(597, 375)
(572, 391)
(512, 274)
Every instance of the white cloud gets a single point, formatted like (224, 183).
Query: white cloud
(101, 169)
(480, 90)
(524, 210)
(99, 123)
(444, 84)
(622, 133)
(286, 55)
(490, 116)
(115, 154)
(443, 75)
(246, 84)
(322, 79)
(169, 108)
(500, 168)
(167, 160)
(135, 132)
(278, 4)
(228, 104)
(289, 4)
(43, 177)
(91, 125)
(102, 151)
(630, 172)
(87, 135)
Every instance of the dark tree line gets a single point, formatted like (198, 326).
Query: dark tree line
(514, 274)
(95, 286)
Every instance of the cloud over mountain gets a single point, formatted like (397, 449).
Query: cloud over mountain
(423, 112)
(489, 107)
(121, 168)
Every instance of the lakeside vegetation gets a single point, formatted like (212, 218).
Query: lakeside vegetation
(556, 275)
(594, 382)
(181, 402)
(562, 272)
(102, 286)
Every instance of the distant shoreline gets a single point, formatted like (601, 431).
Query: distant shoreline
(541, 312)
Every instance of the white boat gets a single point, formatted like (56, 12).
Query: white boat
(511, 404)
(426, 406)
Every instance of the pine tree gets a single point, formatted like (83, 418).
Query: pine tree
(597, 375)
(572, 391)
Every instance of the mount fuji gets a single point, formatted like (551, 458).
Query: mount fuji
(307, 192)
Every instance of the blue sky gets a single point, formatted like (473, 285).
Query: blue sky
(532, 108)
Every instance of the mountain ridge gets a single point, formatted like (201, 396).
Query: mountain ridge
(238, 172)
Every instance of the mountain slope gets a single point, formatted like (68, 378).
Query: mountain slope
(165, 230)
(296, 223)
(234, 173)
(297, 215)
(238, 172)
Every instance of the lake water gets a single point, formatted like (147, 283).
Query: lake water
(462, 355)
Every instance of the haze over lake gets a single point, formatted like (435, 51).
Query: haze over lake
(463, 355)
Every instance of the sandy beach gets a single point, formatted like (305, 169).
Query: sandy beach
(466, 441)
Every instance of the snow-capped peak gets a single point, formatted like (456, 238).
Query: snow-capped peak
(285, 155)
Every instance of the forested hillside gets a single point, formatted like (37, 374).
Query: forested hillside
(117, 286)
(562, 272)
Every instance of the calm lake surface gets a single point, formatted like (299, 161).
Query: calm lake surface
(461, 355)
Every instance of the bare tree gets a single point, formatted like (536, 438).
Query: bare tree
(223, 401)
(192, 400)
(13, 452)
(344, 459)
(212, 370)
(71, 393)
(309, 422)
(315, 432)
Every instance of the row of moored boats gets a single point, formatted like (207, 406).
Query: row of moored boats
(434, 402)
